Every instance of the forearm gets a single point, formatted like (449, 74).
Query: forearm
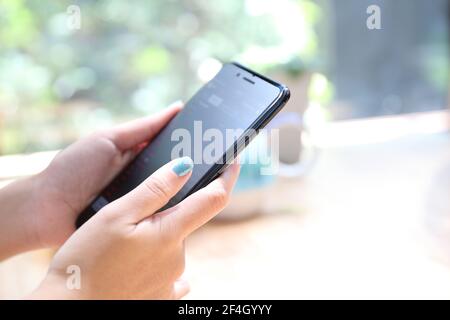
(16, 212)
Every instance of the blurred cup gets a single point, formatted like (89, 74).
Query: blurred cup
(282, 152)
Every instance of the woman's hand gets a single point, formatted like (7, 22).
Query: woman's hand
(81, 171)
(127, 250)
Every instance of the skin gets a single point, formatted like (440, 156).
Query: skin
(126, 250)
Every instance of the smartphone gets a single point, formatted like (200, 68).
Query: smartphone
(237, 101)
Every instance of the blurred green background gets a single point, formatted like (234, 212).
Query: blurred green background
(132, 58)
(129, 58)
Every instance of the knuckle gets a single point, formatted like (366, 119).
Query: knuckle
(158, 187)
(219, 198)
(107, 214)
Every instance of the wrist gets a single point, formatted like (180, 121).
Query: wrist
(34, 208)
(18, 231)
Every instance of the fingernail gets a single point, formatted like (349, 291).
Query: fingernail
(183, 166)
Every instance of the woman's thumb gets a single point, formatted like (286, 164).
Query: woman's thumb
(156, 190)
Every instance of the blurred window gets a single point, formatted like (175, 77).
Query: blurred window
(402, 67)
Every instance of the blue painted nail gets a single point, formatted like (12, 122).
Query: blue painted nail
(183, 166)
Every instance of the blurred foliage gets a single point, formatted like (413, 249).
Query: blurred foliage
(131, 58)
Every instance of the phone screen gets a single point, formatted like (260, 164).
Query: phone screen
(228, 104)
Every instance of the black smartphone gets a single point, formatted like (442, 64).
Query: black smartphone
(236, 103)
